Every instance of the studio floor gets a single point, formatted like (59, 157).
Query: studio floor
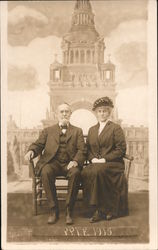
(24, 227)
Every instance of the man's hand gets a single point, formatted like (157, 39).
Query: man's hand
(96, 160)
(29, 155)
(72, 164)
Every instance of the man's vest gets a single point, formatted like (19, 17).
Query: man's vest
(62, 155)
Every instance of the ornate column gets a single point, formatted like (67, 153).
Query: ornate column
(134, 147)
(86, 18)
(83, 18)
(85, 56)
(90, 55)
(82, 56)
(74, 55)
(66, 57)
(140, 149)
(79, 55)
(80, 18)
(127, 150)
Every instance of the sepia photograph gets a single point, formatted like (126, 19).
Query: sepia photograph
(79, 151)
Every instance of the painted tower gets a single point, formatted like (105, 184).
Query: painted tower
(83, 75)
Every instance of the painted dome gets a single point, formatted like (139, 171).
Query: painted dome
(82, 25)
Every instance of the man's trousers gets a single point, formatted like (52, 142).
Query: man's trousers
(49, 173)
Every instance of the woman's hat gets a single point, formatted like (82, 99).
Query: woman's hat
(104, 101)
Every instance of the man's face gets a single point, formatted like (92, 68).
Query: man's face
(63, 113)
(102, 113)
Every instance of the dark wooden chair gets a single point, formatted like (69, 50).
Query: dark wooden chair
(37, 186)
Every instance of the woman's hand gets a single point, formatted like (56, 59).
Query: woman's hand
(96, 160)
(102, 160)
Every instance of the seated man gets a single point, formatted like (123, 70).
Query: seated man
(63, 155)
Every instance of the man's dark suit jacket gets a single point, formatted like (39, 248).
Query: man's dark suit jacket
(48, 143)
(110, 144)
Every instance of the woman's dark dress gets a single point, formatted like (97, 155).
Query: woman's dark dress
(104, 184)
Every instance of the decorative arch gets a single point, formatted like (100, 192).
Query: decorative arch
(83, 116)
(82, 105)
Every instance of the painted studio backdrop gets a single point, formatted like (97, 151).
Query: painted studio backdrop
(76, 51)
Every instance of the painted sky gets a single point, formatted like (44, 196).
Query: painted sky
(35, 30)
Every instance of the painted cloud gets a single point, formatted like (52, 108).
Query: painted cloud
(114, 13)
(128, 46)
(24, 24)
(21, 13)
(39, 54)
(24, 78)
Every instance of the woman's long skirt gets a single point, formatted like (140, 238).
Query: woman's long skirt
(105, 186)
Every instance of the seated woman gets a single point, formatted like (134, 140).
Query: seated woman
(104, 182)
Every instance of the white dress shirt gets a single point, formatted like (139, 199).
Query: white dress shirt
(102, 125)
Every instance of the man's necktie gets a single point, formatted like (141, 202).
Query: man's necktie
(63, 126)
(63, 129)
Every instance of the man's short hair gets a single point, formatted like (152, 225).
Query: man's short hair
(64, 103)
(61, 103)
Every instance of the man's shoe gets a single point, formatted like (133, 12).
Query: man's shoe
(52, 219)
(96, 217)
(69, 220)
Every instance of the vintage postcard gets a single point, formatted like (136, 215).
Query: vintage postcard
(79, 151)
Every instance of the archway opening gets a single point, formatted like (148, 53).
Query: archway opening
(84, 119)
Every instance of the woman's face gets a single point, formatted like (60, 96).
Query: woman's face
(103, 113)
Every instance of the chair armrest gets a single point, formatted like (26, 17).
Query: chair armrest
(128, 165)
(32, 168)
(128, 157)
(32, 164)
